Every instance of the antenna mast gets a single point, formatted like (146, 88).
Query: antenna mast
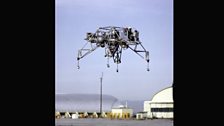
(101, 80)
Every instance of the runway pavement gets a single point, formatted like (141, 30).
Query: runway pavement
(115, 122)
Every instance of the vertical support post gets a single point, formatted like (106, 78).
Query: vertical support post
(101, 80)
(147, 59)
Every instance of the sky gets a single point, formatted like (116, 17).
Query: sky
(154, 21)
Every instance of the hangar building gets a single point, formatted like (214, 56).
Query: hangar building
(84, 103)
(161, 104)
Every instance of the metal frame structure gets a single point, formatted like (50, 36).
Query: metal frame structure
(114, 40)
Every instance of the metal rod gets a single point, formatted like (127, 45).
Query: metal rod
(136, 52)
(108, 65)
(78, 65)
(148, 66)
(117, 67)
(101, 79)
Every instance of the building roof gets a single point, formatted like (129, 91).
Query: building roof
(84, 102)
(164, 95)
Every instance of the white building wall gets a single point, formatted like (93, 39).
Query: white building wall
(161, 105)
(141, 115)
(163, 99)
(147, 106)
(122, 111)
(163, 114)
(116, 111)
(130, 111)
